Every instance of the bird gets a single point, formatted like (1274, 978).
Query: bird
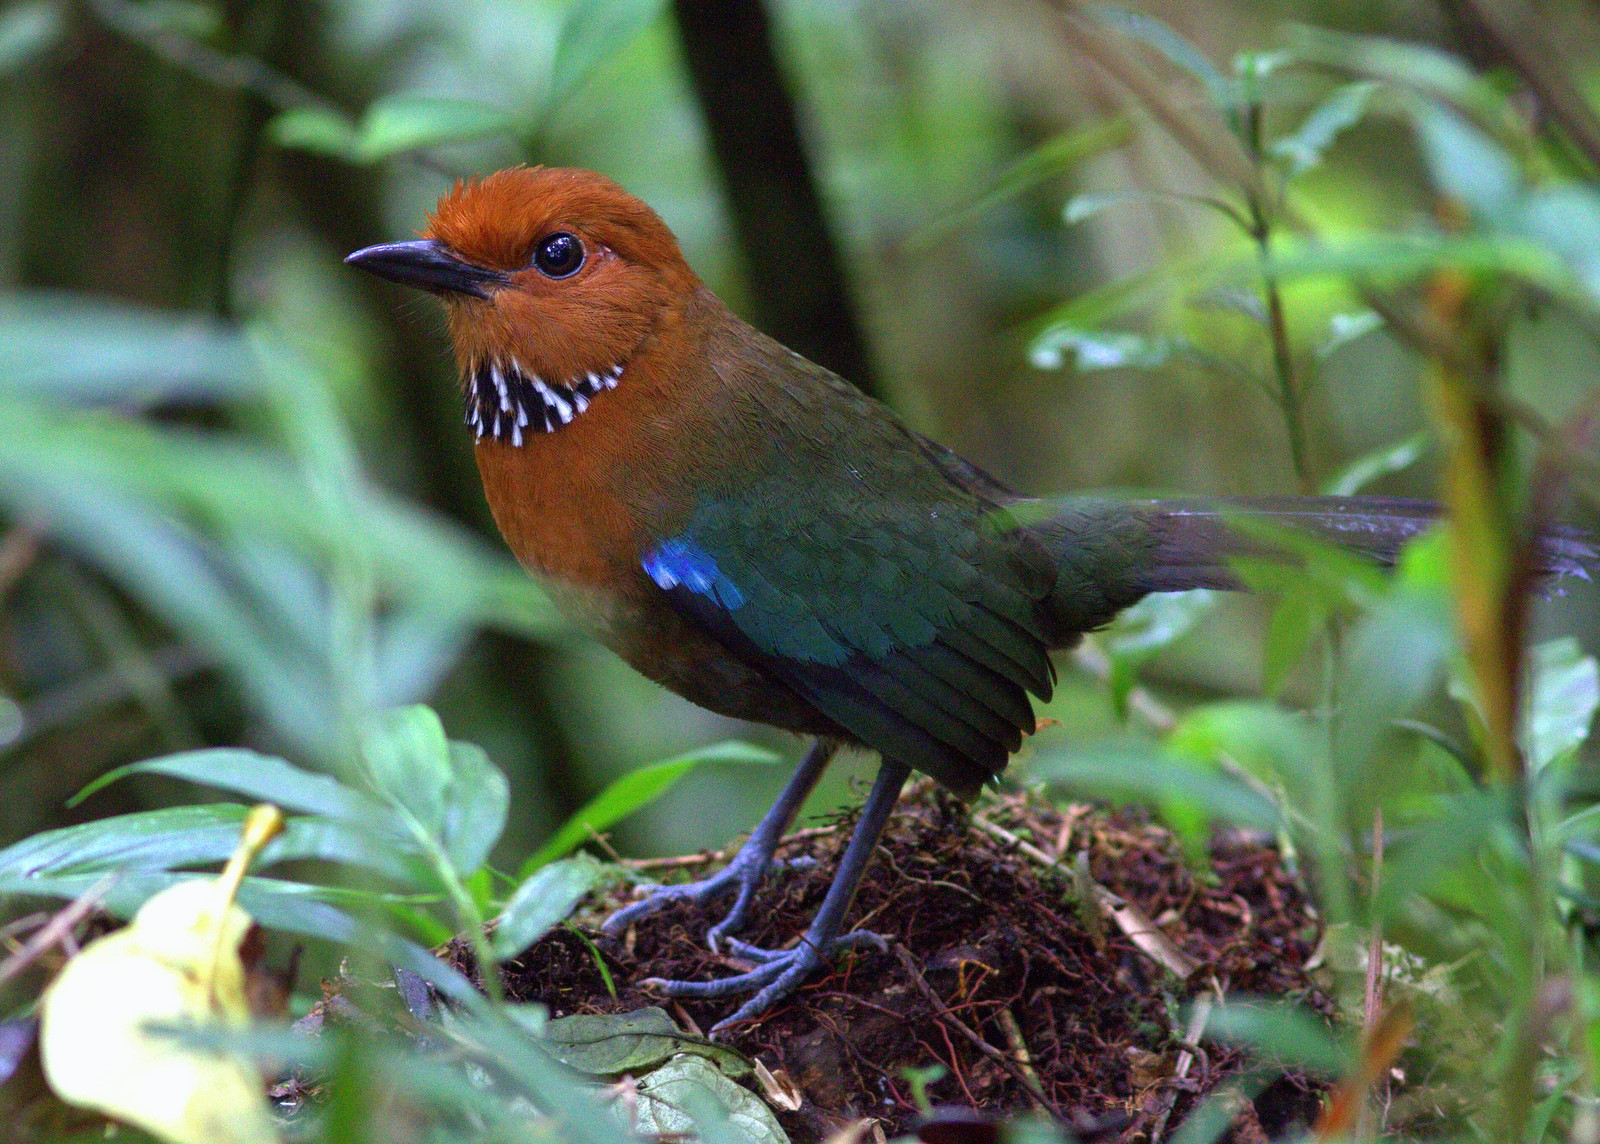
(761, 537)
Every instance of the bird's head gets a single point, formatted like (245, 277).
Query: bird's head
(552, 280)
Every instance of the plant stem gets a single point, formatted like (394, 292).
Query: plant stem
(1289, 397)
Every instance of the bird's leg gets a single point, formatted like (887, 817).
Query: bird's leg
(780, 972)
(748, 867)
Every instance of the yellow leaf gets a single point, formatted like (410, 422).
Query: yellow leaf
(176, 963)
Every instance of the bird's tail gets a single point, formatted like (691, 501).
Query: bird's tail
(1112, 553)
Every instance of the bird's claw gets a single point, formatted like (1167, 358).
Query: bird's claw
(745, 873)
(778, 973)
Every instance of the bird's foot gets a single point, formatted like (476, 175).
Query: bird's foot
(777, 974)
(746, 871)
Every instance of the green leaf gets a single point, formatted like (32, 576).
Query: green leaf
(1392, 458)
(322, 131)
(1303, 148)
(1281, 1034)
(543, 901)
(632, 791)
(149, 840)
(1563, 693)
(408, 760)
(1132, 770)
(1299, 615)
(1394, 658)
(187, 18)
(689, 1098)
(401, 123)
(264, 778)
(1388, 255)
(390, 126)
(591, 32)
(1177, 50)
(1099, 349)
(1050, 159)
(1086, 206)
(72, 347)
(611, 1044)
(1275, 745)
(1407, 65)
(1139, 632)
(184, 836)
(26, 32)
(475, 805)
(1346, 328)
(1467, 165)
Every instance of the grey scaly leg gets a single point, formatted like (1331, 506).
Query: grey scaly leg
(782, 971)
(748, 867)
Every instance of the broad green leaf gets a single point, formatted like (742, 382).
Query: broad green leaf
(543, 901)
(293, 907)
(1093, 309)
(1131, 770)
(1406, 255)
(1404, 64)
(410, 123)
(26, 32)
(475, 805)
(1141, 631)
(632, 791)
(1275, 745)
(390, 126)
(611, 1044)
(1563, 693)
(1303, 148)
(591, 32)
(1439, 847)
(688, 1097)
(319, 130)
(1099, 349)
(1467, 165)
(75, 347)
(263, 778)
(1282, 1034)
(1362, 471)
(1393, 659)
(408, 760)
(183, 836)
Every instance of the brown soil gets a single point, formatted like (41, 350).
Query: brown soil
(987, 944)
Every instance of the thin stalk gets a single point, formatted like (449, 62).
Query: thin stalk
(1288, 395)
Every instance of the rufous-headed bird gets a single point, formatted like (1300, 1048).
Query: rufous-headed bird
(759, 536)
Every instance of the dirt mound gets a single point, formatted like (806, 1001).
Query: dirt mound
(1038, 958)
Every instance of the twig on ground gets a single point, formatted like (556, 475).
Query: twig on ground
(1191, 1039)
(1139, 929)
(1019, 1048)
(945, 1017)
(56, 930)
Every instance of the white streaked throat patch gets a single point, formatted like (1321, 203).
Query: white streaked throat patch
(505, 401)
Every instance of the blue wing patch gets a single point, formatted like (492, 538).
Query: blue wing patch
(682, 561)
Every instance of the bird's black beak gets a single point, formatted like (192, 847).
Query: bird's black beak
(427, 265)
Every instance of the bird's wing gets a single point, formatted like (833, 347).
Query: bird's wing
(914, 625)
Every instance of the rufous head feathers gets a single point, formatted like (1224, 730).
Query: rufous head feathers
(607, 291)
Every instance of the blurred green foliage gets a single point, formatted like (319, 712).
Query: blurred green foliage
(1316, 246)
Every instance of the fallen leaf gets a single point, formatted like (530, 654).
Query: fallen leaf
(176, 963)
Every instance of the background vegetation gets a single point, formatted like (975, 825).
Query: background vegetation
(1233, 248)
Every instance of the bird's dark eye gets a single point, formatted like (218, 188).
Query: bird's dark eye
(559, 255)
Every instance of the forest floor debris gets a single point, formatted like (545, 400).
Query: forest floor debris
(1042, 959)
